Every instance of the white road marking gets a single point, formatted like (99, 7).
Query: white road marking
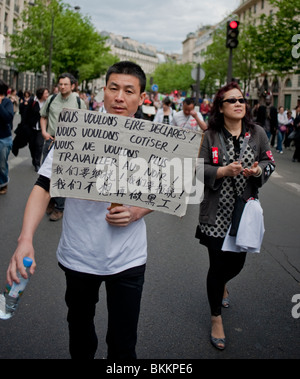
(295, 185)
(275, 175)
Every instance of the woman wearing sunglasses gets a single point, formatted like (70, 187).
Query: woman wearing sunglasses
(225, 173)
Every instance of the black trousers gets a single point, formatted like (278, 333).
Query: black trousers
(124, 291)
(224, 266)
(296, 155)
(36, 143)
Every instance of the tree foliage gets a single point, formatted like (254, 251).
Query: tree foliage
(272, 38)
(55, 28)
(264, 46)
(217, 58)
(171, 76)
(215, 63)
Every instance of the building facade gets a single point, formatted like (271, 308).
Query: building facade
(128, 49)
(284, 91)
(125, 48)
(10, 11)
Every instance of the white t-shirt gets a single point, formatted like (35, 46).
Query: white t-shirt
(187, 122)
(89, 244)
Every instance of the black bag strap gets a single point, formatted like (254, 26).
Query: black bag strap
(50, 101)
(78, 102)
(228, 162)
(224, 147)
(54, 96)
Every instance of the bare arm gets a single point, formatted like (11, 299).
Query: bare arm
(34, 212)
(43, 123)
(202, 124)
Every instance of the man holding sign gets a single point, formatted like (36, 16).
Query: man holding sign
(98, 243)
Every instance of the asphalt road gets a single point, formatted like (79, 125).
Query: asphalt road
(174, 320)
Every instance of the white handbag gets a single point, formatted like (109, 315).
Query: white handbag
(251, 230)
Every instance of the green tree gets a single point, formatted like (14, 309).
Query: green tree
(53, 35)
(171, 76)
(263, 46)
(272, 38)
(245, 64)
(217, 57)
(215, 62)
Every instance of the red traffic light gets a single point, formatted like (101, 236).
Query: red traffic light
(233, 24)
(232, 34)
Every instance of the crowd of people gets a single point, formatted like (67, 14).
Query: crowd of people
(101, 243)
(282, 126)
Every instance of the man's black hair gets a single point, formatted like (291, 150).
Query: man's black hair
(128, 68)
(188, 101)
(68, 75)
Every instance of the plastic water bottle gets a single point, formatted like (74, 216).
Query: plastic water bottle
(9, 299)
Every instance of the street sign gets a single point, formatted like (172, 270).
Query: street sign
(194, 73)
(154, 87)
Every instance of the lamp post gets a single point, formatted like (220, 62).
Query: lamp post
(50, 53)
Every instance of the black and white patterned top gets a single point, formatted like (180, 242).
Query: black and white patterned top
(226, 201)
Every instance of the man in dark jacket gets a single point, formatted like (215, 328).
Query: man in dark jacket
(6, 123)
(296, 156)
(267, 118)
(36, 140)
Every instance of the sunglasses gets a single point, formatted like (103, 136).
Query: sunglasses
(233, 100)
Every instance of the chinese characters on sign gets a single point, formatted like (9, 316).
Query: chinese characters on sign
(104, 157)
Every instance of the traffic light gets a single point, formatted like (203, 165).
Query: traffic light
(232, 34)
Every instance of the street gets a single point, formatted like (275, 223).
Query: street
(175, 320)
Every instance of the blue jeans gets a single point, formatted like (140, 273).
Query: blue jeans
(5, 148)
(46, 148)
(279, 140)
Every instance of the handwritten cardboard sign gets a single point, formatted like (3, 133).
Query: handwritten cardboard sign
(105, 157)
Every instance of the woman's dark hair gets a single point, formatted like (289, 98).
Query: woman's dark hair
(27, 92)
(40, 92)
(128, 68)
(3, 88)
(167, 101)
(216, 119)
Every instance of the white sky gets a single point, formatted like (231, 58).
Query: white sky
(163, 24)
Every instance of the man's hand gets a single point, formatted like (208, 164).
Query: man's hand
(193, 113)
(47, 136)
(123, 215)
(24, 249)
